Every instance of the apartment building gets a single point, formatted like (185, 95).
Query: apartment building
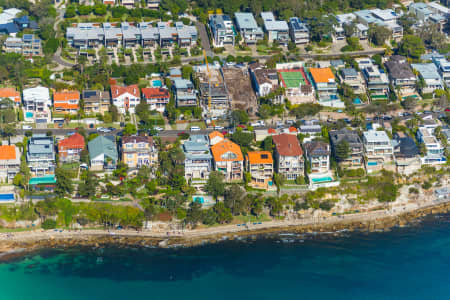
(9, 162)
(386, 18)
(355, 157)
(156, 97)
(443, 66)
(430, 76)
(378, 149)
(260, 166)
(435, 150)
(66, 102)
(103, 153)
(376, 79)
(69, 149)
(401, 75)
(276, 30)
(96, 101)
(288, 156)
(125, 98)
(222, 29)
(37, 102)
(185, 93)
(138, 151)
(198, 160)
(41, 155)
(11, 94)
(228, 160)
(298, 31)
(248, 28)
(28, 45)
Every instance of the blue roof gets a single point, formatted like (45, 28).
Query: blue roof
(9, 28)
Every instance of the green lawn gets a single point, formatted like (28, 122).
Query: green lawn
(252, 218)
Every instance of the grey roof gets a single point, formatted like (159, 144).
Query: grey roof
(40, 144)
(273, 25)
(350, 136)
(427, 71)
(399, 68)
(407, 147)
(181, 83)
(245, 20)
(349, 72)
(337, 62)
(130, 31)
(103, 145)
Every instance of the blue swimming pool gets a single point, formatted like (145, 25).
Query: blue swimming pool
(6, 197)
(357, 101)
(157, 83)
(29, 114)
(200, 200)
(322, 179)
(372, 163)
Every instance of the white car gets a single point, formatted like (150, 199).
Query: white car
(158, 128)
(195, 128)
(218, 127)
(27, 127)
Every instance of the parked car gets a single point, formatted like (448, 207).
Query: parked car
(195, 128)
(290, 122)
(27, 127)
(218, 127)
(158, 128)
(241, 126)
(258, 124)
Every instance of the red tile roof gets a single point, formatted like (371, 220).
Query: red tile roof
(271, 130)
(65, 96)
(75, 141)
(287, 145)
(117, 90)
(65, 105)
(10, 93)
(155, 93)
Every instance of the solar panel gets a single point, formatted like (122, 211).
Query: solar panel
(88, 94)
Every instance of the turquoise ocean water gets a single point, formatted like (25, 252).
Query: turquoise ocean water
(406, 263)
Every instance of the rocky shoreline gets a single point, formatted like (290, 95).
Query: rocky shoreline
(16, 248)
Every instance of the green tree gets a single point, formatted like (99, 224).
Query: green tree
(342, 150)
(239, 117)
(194, 214)
(411, 46)
(64, 185)
(223, 213)
(130, 129)
(243, 139)
(379, 34)
(215, 184)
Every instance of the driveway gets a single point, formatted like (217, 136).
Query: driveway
(203, 35)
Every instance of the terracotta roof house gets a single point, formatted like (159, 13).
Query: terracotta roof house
(66, 101)
(70, 148)
(96, 101)
(125, 98)
(138, 151)
(215, 137)
(9, 161)
(157, 98)
(326, 87)
(260, 166)
(11, 94)
(228, 159)
(288, 156)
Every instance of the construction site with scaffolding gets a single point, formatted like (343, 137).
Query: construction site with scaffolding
(214, 97)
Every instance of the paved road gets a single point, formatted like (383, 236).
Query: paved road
(57, 56)
(204, 38)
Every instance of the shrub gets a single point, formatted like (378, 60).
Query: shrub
(48, 224)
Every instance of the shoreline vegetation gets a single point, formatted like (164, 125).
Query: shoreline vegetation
(17, 244)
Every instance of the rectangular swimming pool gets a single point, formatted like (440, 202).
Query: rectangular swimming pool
(322, 179)
(157, 83)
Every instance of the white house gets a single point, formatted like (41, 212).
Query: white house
(378, 149)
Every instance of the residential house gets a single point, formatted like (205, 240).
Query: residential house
(9, 162)
(28, 45)
(86, 35)
(103, 153)
(386, 18)
(261, 134)
(96, 101)
(376, 79)
(228, 160)
(185, 93)
(310, 131)
(41, 155)
(318, 156)
(326, 87)
(156, 97)
(260, 166)
(265, 81)
(222, 30)
(36, 103)
(131, 35)
(248, 28)
(430, 76)
(276, 30)
(10, 24)
(11, 94)
(138, 151)
(353, 79)
(288, 156)
(443, 66)
(298, 31)
(434, 149)
(153, 4)
(401, 75)
(69, 149)
(149, 34)
(66, 102)
(378, 149)
(342, 20)
(406, 154)
(198, 159)
(109, 2)
(215, 137)
(125, 98)
(355, 157)
(361, 31)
